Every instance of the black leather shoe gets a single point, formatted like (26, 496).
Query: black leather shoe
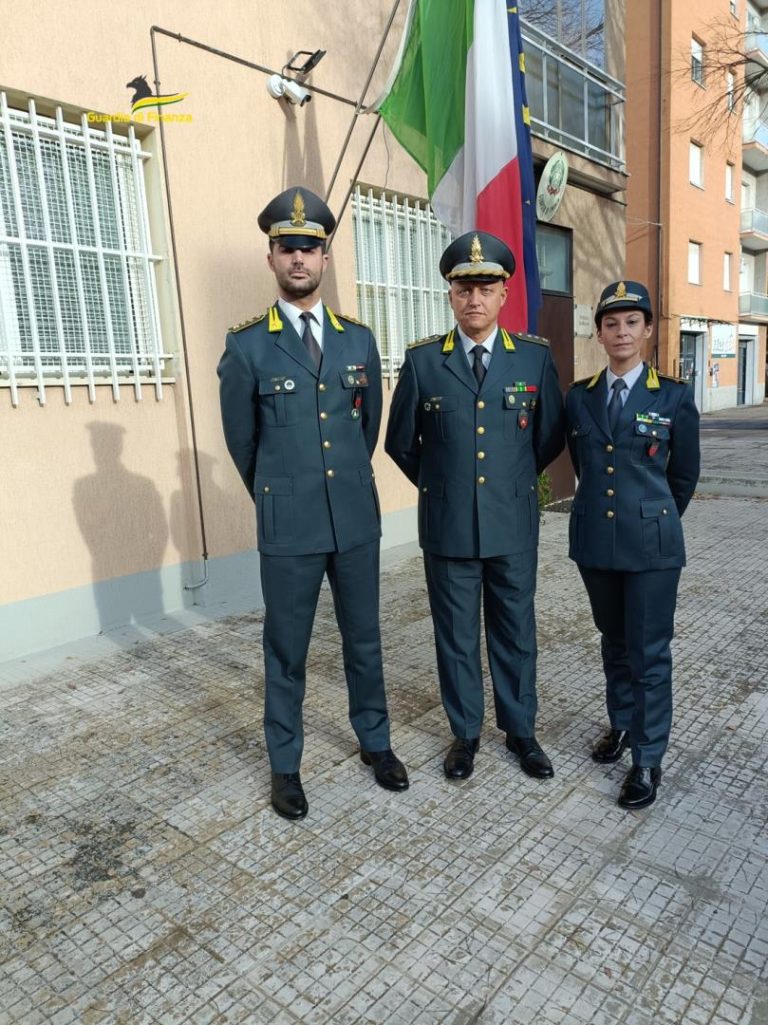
(610, 747)
(460, 761)
(288, 797)
(533, 761)
(387, 768)
(639, 787)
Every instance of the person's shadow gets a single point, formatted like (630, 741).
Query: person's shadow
(223, 520)
(121, 517)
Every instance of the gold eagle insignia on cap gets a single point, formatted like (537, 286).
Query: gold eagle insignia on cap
(298, 217)
(476, 251)
(621, 291)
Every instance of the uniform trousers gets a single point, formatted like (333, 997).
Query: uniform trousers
(635, 614)
(291, 586)
(506, 585)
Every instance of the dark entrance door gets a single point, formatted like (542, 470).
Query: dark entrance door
(554, 249)
(741, 373)
(688, 368)
(556, 324)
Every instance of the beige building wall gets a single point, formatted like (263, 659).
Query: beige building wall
(99, 507)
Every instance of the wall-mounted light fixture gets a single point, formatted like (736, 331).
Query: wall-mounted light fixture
(279, 86)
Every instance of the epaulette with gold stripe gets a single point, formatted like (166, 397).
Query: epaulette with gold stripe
(581, 380)
(538, 339)
(345, 316)
(247, 323)
(424, 341)
(334, 319)
(590, 381)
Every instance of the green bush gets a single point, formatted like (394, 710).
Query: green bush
(544, 492)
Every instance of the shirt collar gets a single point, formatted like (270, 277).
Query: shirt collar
(293, 313)
(629, 378)
(469, 344)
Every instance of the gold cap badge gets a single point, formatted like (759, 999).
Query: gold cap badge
(298, 218)
(621, 291)
(476, 251)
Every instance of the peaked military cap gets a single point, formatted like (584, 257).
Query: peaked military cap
(298, 218)
(477, 256)
(623, 295)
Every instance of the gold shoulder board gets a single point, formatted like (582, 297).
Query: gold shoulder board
(538, 339)
(352, 320)
(247, 323)
(425, 341)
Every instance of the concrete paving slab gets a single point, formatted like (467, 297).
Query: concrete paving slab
(146, 879)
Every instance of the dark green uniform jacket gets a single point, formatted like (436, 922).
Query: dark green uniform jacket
(302, 441)
(473, 451)
(634, 486)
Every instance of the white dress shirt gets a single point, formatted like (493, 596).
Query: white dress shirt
(293, 313)
(629, 379)
(469, 346)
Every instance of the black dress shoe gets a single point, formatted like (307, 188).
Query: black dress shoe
(639, 787)
(610, 747)
(460, 760)
(387, 768)
(533, 761)
(288, 797)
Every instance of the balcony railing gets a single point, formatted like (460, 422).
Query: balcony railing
(753, 304)
(755, 220)
(572, 102)
(756, 47)
(755, 130)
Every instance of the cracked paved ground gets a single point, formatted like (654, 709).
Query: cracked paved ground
(146, 880)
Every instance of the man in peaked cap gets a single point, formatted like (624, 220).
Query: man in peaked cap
(476, 415)
(633, 435)
(301, 408)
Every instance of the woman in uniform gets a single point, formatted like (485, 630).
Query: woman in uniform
(633, 436)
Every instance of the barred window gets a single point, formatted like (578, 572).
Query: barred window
(400, 293)
(77, 281)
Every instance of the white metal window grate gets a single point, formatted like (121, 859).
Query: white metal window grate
(400, 293)
(78, 303)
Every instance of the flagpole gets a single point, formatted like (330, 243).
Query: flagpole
(359, 107)
(353, 180)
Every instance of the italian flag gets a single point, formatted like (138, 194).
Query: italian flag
(456, 102)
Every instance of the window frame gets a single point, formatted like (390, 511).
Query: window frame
(695, 249)
(81, 305)
(401, 295)
(696, 148)
(730, 91)
(727, 271)
(697, 61)
(729, 179)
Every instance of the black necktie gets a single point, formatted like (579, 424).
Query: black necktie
(310, 341)
(615, 405)
(477, 366)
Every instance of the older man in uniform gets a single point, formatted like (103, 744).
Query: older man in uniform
(476, 415)
(301, 408)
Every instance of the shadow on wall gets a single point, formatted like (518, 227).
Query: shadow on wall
(121, 518)
(186, 535)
